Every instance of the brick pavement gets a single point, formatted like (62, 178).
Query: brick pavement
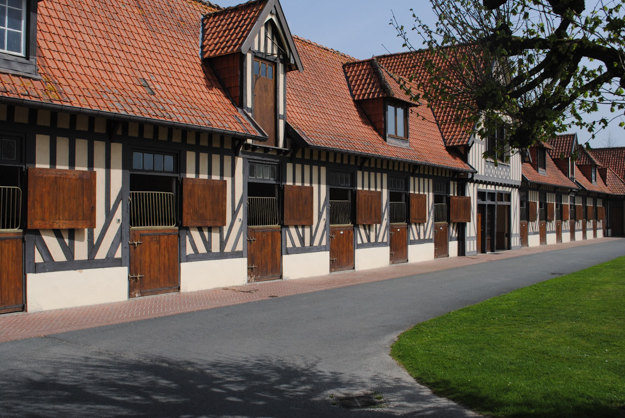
(28, 325)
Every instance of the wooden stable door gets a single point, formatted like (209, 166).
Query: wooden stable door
(558, 232)
(399, 243)
(11, 273)
(153, 262)
(572, 230)
(265, 98)
(480, 232)
(341, 248)
(264, 254)
(584, 229)
(441, 240)
(594, 228)
(542, 229)
(524, 234)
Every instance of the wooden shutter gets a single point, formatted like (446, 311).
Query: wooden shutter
(551, 212)
(591, 212)
(460, 209)
(565, 212)
(601, 213)
(533, 215)
(203, 202)
(368, 207)
(298, 205)
(61, 199)
(418, 208)
(579, 212)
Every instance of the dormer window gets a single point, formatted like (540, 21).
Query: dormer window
(18, 32)
(495, 144)
(541, 159)
(265, 98)
(594, 174)
(571, 168)
(396, 121)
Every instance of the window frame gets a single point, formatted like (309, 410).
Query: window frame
(26, 63)
(593, 174)
(541, 159)
(395, 106)
(492, 142)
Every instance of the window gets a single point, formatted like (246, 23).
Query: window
(495, 145)
(594, 174)
(150, 161)
(18, 36)
(10, 150)
(541, 159)
(571, 168)
(267, 172)
(396, 122)
(542, 207)
(523, 205)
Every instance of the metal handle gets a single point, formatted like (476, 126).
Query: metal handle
(135, 243)
(332, 260)
(136, 278)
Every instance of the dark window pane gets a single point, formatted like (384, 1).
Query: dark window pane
(148, 162)
(14, 20)
(169, 163)
(14, 42)
(256, 68)
(270, 71)
(137, 160)
(252, 171)
(15, 3)
(266, 172)
(3, 17)
(390, 118)
(400, 123)
(158, 162)
(9, 149)
(263, 70)
(274, 176)
(2, 39)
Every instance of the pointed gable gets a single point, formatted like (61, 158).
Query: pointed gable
(613, 158)
(233, 30)
(563, 146)
(369, 80)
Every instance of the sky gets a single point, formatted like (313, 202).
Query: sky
(361, 28)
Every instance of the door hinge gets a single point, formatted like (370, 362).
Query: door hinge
(251, 240)
(392, 233)
(136, 278)
(332, 260)
(252, 267)
(332, 236)
(135, 243)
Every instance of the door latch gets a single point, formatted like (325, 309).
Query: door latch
(332, 260)
(136, 278)
(135, 243)
(251, 240)
(252, 267)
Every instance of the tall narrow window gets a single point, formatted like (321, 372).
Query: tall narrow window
(594, 174)
(265, 98)
(12, 26)
(495, 144)
(396, 124)
(541, 158)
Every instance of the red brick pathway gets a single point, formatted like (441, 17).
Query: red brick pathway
(28, 325)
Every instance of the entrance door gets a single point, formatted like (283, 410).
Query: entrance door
(480, 232)
(594, 228)
(153, 262)
(399, 243)
(542, 227)
(572, 230)
(341, 248)
(558, 232)
(616, 219)
(265, 98)
(11, 273)
(503, 227)
(490, 228)
(524, 234)
(264, 254)
(441, 240)
(584, 229)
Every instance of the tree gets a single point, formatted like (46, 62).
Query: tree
(527, 65)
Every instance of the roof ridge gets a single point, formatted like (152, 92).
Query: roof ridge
(317, 45)
(235, 7)
(208, 3)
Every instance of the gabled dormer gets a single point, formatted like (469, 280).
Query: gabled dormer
(587, 164)
(564, 153)
(251, 50)
(18, 37)
(538, 157)
(382, 98)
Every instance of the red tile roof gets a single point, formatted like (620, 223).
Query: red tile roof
(552, 177)
(226, 30)
(369, 80)
(613, 158)
(599, 187)
(563, 145)
(614, 182)
(99, 55)
(584, 157)
(321, 109)
(452, 118)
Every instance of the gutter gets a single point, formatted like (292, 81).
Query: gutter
(124, 117)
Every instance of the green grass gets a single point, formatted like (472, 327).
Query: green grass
(555, 349)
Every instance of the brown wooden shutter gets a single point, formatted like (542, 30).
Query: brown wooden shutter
(460, 209)
(61, 199)
(368, 207)
(203, 202)
(551, 212)
(533, 215)
(565, 213)
(591, 212)
(601, 213)
(579, 212)
(418, 208)
(298, 205)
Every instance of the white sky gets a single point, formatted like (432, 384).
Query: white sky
(361, 29)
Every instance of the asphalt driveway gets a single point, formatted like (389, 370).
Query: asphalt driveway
(284, 357)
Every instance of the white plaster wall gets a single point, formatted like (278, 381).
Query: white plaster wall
(551, 239)
(70, 289)
(203, 275)
(298, 266)
(534, 240)
(599, 231)
(579, 235)
(566, 236)
(421, 252)
(371, 258)
(453, 249)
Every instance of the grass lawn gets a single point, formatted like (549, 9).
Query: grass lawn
(555, 349)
